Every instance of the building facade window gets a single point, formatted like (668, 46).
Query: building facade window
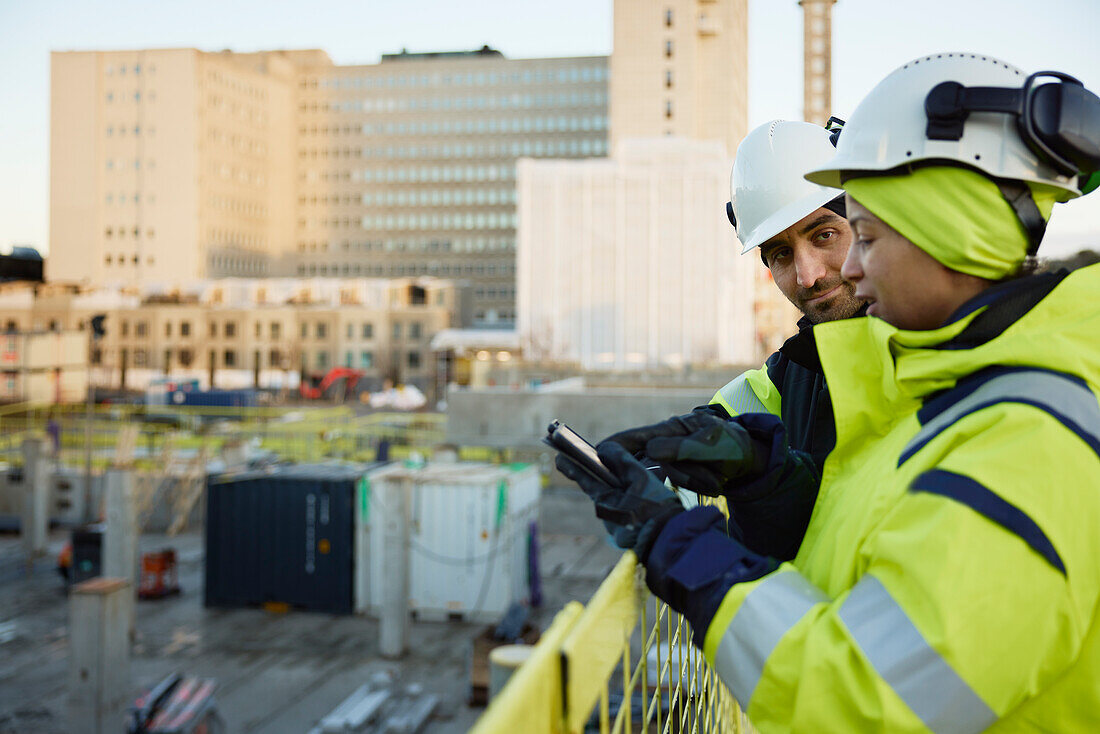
(185, 328)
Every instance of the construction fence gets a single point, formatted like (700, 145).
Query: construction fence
(145, 433)
(624, 663)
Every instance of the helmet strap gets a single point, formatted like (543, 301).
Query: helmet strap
(1018, 195)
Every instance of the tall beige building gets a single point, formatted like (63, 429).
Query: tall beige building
(680, 68)
(169, 165)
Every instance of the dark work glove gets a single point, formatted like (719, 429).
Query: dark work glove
(770, 489)
(693, 563)
(701, 451)
(713, 456)
(635, 439)
(634, 512)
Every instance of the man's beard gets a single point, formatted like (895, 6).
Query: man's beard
(841, 305)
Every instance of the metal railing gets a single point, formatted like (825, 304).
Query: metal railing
(623, 640)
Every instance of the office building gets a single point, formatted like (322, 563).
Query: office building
(174, 165)
(407, 167)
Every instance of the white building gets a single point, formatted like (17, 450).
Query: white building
(630, 262)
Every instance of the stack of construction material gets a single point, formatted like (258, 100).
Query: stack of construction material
(469, 535)
(283, 536)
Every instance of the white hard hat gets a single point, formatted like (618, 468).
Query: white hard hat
(767, 190)
(901, 121)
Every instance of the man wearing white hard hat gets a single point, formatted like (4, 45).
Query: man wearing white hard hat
(803, 238)
(949, 579)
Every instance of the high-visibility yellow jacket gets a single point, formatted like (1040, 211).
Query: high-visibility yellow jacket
(791, 386)
(950, 576)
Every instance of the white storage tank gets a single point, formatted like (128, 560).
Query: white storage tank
(468, 537)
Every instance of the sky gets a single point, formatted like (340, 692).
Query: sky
(870, 39)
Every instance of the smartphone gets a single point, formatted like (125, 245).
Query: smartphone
(563, 438)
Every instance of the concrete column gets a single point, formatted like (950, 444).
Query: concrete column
(35, 513)
(394, 602)
(120, 536)
(99, 644)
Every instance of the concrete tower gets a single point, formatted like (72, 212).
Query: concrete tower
(817, 50)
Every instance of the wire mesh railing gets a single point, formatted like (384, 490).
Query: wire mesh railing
(622, 663)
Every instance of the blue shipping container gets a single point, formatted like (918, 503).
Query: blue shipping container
(282, 536)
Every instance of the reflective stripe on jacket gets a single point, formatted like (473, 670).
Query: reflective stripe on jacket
(949, 580)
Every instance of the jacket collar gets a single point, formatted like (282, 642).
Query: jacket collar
(802, 347)
(878, 373)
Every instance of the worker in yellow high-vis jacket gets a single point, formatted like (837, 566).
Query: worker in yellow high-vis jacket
(949, 579)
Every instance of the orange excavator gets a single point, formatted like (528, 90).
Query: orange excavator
(339, 384)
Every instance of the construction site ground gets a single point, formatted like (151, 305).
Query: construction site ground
(276, 673)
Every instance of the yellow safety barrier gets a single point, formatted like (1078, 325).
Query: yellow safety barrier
(571, 683)
(294, 433)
